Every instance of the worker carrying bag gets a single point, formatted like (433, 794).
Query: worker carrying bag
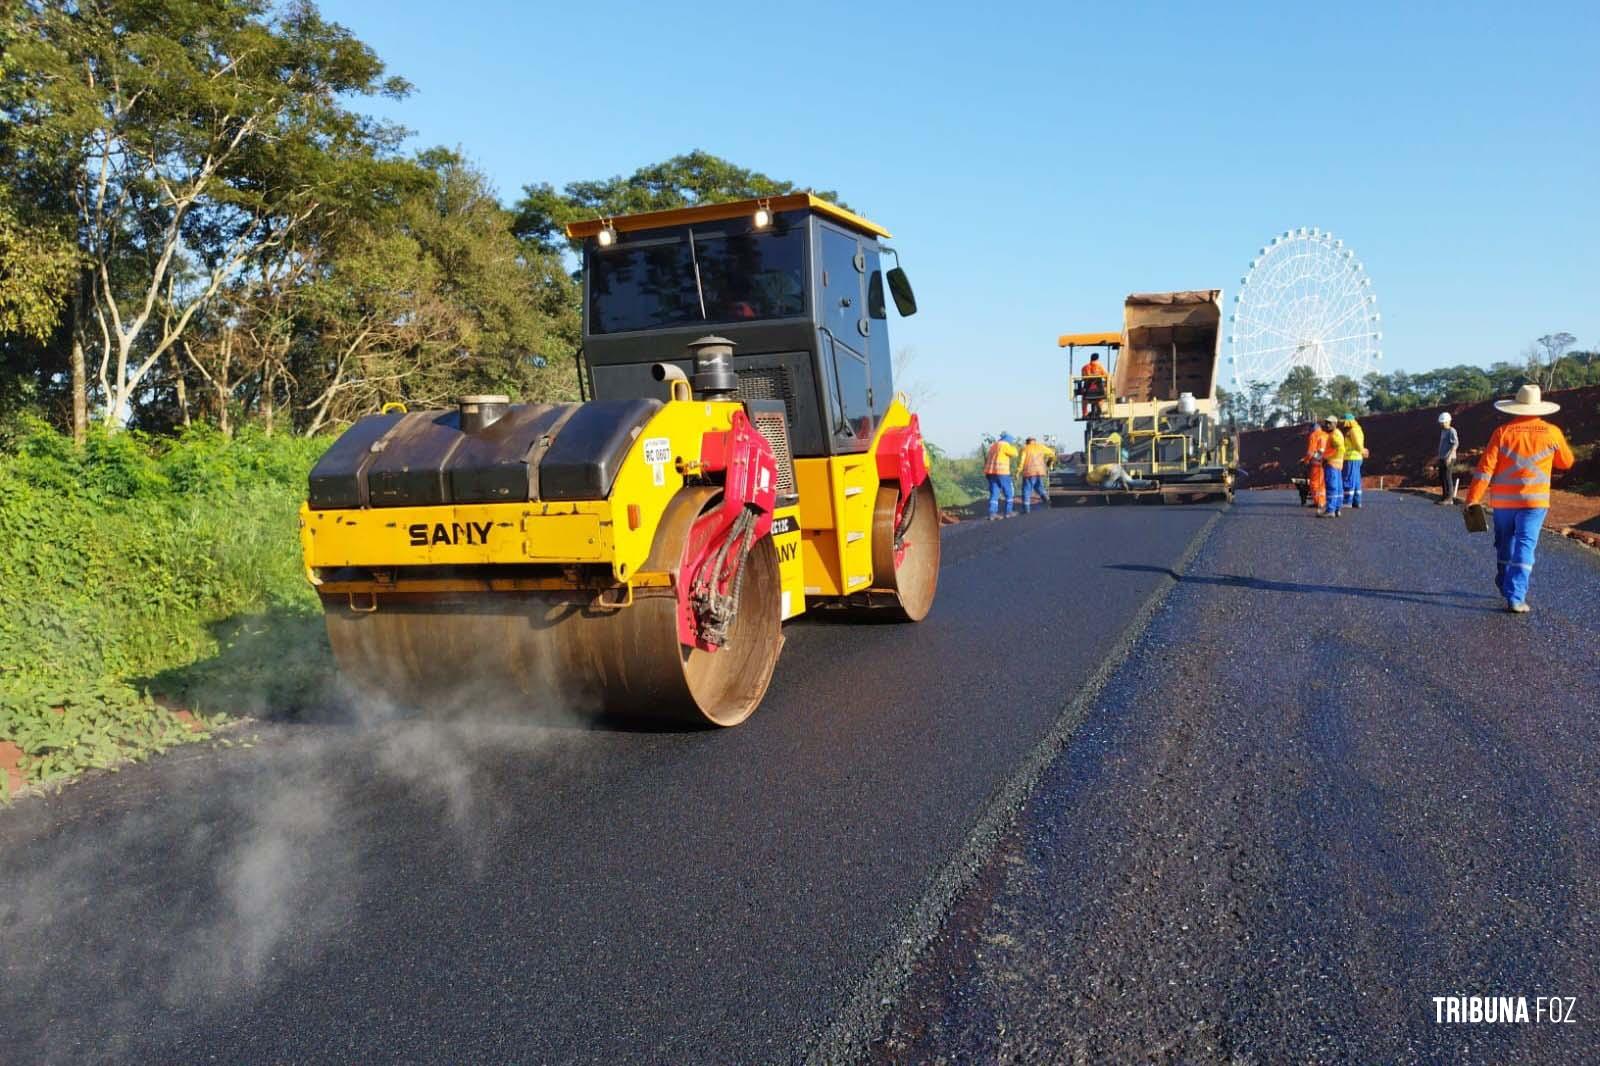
(1476, 516)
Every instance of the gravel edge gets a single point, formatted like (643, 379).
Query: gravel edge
(859, 1021)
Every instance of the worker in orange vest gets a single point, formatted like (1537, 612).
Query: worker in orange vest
(1035, 467)
(1515, 474)
(1317, 446)
(1092, 369)
(997, 468)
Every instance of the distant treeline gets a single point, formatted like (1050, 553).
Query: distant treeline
(1302, 396)
(198, 226)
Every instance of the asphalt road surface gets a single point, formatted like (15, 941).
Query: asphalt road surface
(1333, 781)
(481, 891)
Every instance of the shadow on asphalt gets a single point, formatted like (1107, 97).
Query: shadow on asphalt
(1428, 598)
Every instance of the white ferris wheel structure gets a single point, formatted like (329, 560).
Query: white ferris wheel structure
(1306, 300)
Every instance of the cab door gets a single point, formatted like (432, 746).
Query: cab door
(845, 326)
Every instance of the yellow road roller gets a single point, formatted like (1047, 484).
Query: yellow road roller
(739, 457)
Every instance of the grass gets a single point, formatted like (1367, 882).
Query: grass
(136, 570)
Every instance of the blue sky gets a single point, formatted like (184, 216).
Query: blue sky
(1038, 162)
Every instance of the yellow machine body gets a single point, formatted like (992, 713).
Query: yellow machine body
(827, 555)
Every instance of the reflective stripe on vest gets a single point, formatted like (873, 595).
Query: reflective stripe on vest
(1529, 466)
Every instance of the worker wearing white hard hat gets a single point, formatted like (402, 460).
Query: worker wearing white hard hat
(1449, 441)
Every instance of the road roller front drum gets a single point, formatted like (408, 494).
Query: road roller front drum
(905, 550)
(544, 653)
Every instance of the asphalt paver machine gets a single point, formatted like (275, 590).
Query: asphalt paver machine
(739, 457)
(1155, 411)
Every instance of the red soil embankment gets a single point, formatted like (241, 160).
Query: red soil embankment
(1404, 443)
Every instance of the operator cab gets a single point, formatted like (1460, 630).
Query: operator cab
(1092, 391)
(794, 282)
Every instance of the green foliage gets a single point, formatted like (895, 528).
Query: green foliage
(682, 181)
(956, 482)
(432, 300)
(136, 566)
(36, 269)
(1303, 396)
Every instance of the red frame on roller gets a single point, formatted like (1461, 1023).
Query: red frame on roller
(750, 483)
(903, 460)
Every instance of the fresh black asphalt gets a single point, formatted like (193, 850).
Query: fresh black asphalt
(481, 891)
(1333, 781)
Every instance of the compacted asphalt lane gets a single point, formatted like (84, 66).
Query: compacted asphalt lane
(1333, 781)
(499, 891)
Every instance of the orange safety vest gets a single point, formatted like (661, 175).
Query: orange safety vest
(1517, 462)
(1000, 456)
(1093, 369)
(1035, 460)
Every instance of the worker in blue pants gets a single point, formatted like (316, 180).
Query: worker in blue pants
(1333, 465)
(1516, 534)
(997, 468)
(1514, 475)
(1355, 451)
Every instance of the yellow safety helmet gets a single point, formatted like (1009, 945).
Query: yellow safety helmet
(1115, 438)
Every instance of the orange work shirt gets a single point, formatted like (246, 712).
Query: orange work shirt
(1517, 463)
(1317, 445)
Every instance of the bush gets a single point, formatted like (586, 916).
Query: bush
(956, 482)
(126, 567)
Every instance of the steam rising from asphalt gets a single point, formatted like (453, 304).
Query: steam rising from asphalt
(289, 842)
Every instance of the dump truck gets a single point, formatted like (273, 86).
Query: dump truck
(738, 456)
(1155, 409)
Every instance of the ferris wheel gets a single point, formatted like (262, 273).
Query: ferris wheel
(1305, 301)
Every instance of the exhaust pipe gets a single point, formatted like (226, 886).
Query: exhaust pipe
(677, 383)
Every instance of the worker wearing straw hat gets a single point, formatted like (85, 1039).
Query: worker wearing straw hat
(1515, 474)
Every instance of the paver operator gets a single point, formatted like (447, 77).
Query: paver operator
(1092, 369)
(1035, 467)
(1515, 474)
(997, 468)
(1355, 450)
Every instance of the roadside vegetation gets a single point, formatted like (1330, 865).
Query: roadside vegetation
(956, 481)
(138, 569)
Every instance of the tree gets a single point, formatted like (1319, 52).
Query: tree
(1544, 357)
(433, 301)
(189, 140)
(682, 181)
(1300, 392)
(37, 263)
(1344, 394)
(1257, 405)
(1230, 405)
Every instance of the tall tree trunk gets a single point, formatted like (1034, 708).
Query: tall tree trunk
(79, 373)
(268, 387)
(179, 385)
